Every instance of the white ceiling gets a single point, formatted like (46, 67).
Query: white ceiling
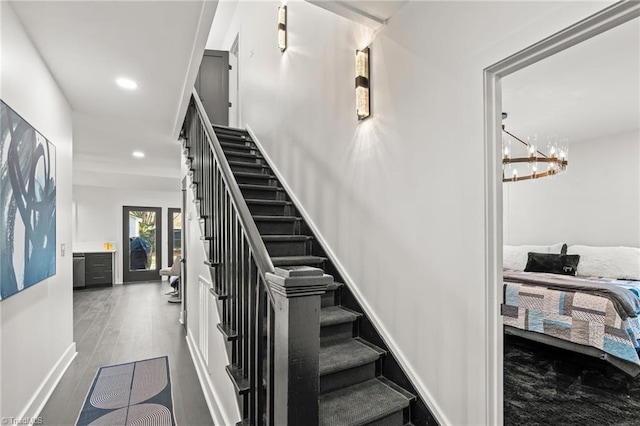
(586, 92)
(88, 44)
(371, 13)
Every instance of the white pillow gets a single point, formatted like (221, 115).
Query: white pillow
(515, 257)
(612, 262)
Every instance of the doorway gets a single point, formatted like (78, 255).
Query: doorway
(234, 84)
(596, 24)
(142, 243)
(212, 85)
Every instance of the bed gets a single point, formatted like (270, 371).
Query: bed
(587, 313)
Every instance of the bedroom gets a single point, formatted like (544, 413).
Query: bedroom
(588, 99)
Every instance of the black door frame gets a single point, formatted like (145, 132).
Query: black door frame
(140, 275)
(170, 229)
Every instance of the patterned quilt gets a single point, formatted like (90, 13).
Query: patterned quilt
(581, 318)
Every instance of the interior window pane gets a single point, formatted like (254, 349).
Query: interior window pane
(177, 235)
(142, 240)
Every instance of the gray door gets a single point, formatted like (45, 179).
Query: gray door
(212, 85)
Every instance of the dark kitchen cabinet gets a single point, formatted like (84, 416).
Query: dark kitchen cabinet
(98, 269)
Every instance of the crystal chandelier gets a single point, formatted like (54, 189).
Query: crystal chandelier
(523, 160)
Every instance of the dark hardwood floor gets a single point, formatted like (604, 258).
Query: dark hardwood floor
(121, 324)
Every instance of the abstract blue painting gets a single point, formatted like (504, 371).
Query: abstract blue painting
(27, 204)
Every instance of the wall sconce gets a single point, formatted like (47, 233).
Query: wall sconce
(363, 105)
(282, 28)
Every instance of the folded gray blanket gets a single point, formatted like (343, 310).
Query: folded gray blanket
(625, 301)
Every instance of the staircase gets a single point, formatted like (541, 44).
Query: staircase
(358, 377)
(352, 390)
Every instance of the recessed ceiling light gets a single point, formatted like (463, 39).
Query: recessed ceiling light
(138, 154)
(126, 83)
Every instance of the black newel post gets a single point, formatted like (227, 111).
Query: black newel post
(297, 292)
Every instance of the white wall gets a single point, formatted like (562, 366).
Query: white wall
(398, 197)
(98, 216)
(36, 326)
(596, 202)
(221, 393)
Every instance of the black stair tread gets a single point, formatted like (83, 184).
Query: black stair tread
(255, 156)
(285, 238)
(228, 332)
(397, 388)
(297, 260)
(245, 164)
(229, 129)
(260, 187)
(259, 218)
(237, 378)
(232, 139)
(219, 296)
(268, 202)
(360, 404)
(332, 315)
(334, 286)
(347, 354)
(237, 146)
(222, 134)
(253, 175)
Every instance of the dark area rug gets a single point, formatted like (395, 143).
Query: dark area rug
(136, 393)
(544, 385)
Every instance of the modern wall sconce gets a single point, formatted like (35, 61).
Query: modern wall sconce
(282, 28)
(363, 105)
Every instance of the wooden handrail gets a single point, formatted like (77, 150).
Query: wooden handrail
(260, 254)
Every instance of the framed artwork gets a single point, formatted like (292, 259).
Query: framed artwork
(27, 204)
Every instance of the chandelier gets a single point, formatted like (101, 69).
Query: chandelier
(522, 160)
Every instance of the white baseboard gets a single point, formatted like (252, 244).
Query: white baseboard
(37, 402)
(218, 415)
(425, 395)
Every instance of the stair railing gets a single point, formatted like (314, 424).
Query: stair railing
(239, 262)
(270, 317)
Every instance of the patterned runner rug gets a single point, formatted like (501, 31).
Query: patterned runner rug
(136, 393)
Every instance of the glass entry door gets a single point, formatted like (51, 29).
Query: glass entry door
(174, 235)
(142, 243)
